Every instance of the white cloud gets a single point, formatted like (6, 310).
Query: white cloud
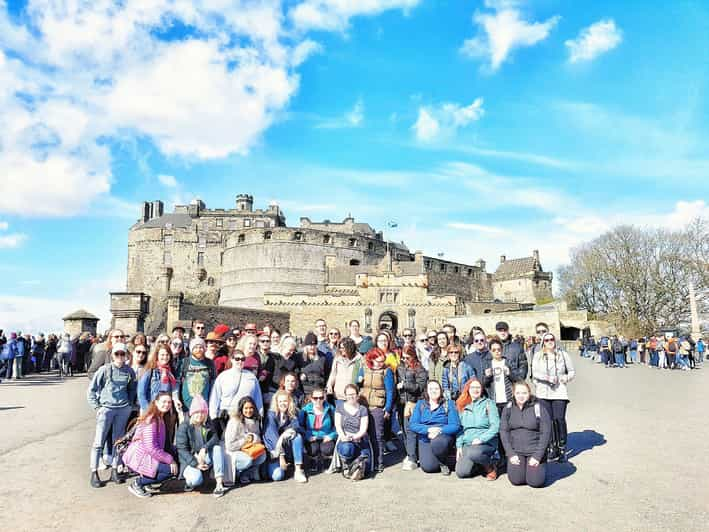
(304, 50)
(476, 228)
(167, 180)
(442, 121)
(4, 226)
(502, 32)
(335, 15)
(594, 40)
(12, 241)
(352, 118)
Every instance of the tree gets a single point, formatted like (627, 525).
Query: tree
(638, 278)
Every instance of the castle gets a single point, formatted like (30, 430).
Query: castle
(235, 264)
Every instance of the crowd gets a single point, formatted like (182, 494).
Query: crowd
(257, 405)
(657, 351)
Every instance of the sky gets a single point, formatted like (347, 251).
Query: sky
(480, 128)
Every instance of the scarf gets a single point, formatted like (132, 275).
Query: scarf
(166, 377)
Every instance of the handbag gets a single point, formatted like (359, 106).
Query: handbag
(254, 450)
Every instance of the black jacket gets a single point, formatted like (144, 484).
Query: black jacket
(479, 362)
(414, 380)
(313, 374)
(516, 360)
(525, 431)
(186, 441)
(281, 366)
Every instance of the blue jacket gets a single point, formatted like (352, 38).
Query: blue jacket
(273, 429)
(9, 350)
(453, 386)
(306, 418)
(112, 387)
(423, 419)
(149, 386)
(20, 348)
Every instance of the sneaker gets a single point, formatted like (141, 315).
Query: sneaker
(445, 470)
(95, 481)
(379, 468)
(188, 488)
(408, 465)
(152, 488)
(391, 446)
(490, 473)
(299, 476)
(218, 492)
(138, 491)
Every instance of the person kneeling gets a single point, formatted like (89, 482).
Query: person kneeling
(525, 430)
(198, 448)
(435, 421)
(317, 419)
(477, 443)
(351, 423)
(283, 438)
(146, 454)
(243, 443)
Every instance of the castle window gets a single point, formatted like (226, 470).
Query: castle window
(298, 236)
(167, 258)
(354, 262)
(201, 240)
(427, 264)
(267, 235)
(220, 222)
(221, 259)
(210, 281)
(470, 272)
(241, 238)
(168, 240)
(200, 259)
(247, 222)
(442, 267)
(353, 242)
(370, 246)
(326, 239)
(456, 269)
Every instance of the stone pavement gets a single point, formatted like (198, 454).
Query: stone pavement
(639, 462)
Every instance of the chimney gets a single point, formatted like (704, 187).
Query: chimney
(503, 258)
(145, 211)
(480, 264)
(157, 209)
(535, 254)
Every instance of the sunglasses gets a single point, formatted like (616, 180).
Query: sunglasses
(549, 340)
(199, 328)
(317, 398)
(118, 336)
(119, 354)
(140, 351)
(334, 334)
(479, 340)
(542, 331)
(408, 335)
(265, 341)
(239, 359)
(454, 352)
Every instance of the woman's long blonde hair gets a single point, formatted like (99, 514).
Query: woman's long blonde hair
(292, 410)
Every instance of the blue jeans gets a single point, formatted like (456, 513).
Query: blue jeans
(163, 473)
(108, 419)
(620, 360)
(195, 477)
(633, 355)
(433, 453)
(293, 449)
(410, 437)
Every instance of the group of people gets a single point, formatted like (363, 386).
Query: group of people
(657, 351)
(248, 405)
(22, 354)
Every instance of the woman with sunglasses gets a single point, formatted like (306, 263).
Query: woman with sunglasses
(312, 374)
(139, 360)
(231, 386)
(101, 353)
(111, 394)
(552, 371)
(412, 379)
(318, 421)
(456, 372)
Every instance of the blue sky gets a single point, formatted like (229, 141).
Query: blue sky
(483, 128)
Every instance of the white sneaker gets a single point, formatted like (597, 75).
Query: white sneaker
(105, 463)
(391, 446)
(408, 465)
(299, 476)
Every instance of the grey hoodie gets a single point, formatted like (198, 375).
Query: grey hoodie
(112, 387)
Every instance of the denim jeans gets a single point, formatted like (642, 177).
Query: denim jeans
(473, 455)
(18, 367)
(633, 355)
(433, 453)
(293, 449)
(410, 438)
(163, 473)
(195, 477)
(108, 419)
(376, 432)
(620, 360)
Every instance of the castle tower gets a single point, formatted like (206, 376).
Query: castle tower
(245, 202)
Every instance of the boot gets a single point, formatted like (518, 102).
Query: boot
(117, 477)
(95, 481)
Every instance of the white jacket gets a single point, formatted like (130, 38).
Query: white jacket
(551, 373)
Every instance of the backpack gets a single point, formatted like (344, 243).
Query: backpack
(120, 446)
(357, 469)
(671, 345)
(604, 341)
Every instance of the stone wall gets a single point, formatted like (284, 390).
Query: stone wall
(522, 322)
(76, 327)
(233, 316)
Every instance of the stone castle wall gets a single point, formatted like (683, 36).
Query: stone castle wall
(213, 315)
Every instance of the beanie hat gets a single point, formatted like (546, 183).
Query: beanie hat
(221, 329)
(199, 405)
(310, 339)
(197, 341)
(13, 336)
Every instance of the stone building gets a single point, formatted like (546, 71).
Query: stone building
(79, 322)
(181, 263)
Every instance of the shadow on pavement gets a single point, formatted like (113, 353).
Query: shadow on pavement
(558, 471)
(10, 407)
(578, 442)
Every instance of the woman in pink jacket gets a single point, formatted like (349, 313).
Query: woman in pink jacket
(146, 454)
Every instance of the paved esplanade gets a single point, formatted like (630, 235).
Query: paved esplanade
(639, 462)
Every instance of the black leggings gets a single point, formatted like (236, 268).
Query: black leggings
(557, 411)
(523, 473)
(320, 448)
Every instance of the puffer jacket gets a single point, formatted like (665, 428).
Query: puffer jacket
(146, 450)
(479, 420)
